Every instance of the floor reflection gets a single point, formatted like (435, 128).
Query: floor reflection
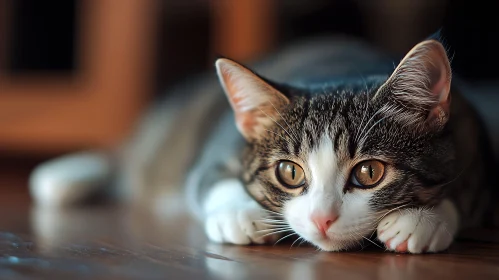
(154, 240)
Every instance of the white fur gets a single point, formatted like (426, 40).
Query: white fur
(69, 179)
(234, 217)
(323, 167)
(325, 195)
(423, 229)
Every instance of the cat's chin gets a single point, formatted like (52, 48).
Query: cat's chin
(331, 242)
(334, 245)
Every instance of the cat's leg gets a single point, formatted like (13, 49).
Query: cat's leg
(232, 216)
(419, 230)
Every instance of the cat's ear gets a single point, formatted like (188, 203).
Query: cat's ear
(254, 101)
(421, 85)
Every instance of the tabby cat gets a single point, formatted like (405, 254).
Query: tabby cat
(338, 147)
(333, 158)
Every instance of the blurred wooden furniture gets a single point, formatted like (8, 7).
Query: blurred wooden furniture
(98, 105)
(95, 106)
(243, 29)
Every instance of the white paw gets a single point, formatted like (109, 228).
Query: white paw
(239, 225)
(419, 230)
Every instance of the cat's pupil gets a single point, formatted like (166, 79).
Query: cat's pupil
(290, 174)
(369, 172)
(367, 169)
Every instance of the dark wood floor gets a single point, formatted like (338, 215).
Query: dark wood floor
(117, 242)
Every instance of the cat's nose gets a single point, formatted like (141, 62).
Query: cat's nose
(324, 221)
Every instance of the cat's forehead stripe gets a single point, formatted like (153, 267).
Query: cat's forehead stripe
(322, 163)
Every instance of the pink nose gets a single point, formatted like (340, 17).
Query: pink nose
(323, 222)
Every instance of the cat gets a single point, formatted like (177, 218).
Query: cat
(335, 157)
(342, 147)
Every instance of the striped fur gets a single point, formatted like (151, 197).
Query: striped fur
(329, 123)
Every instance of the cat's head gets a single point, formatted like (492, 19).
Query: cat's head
(333, 163)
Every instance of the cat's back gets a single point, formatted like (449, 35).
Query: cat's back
(324, 60)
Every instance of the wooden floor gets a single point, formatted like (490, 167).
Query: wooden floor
(116, 242)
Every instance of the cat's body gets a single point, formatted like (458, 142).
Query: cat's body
(336, 109)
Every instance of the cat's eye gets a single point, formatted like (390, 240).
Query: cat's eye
(290, 174)
(367, 173)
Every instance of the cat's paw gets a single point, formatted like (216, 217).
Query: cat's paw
(419, 230)
(241, 225)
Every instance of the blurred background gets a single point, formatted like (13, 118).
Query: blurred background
(77, 74)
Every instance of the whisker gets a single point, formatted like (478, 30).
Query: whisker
(273, 212)
(280, 136)
(274, 224)
(375, 223)
(273, 229)
(289, 127)
(360, 243)
(391, 210)
(367, 123)
(367, 105)
(270, 217)
(367, 133)
(295, 242)
(296, 141)
(372, 242)
(356, 235)
(385, 108)
(303, 241)
(451, 181)
(445, 229)
(273, 218)
(282, 238)
(276, 232)
(273, 221)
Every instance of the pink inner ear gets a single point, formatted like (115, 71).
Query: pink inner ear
(440, 86)
(255, 103)
(246, 123)
(439, 74)
(440, 83)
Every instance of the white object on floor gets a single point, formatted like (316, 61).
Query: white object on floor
(69, 179)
